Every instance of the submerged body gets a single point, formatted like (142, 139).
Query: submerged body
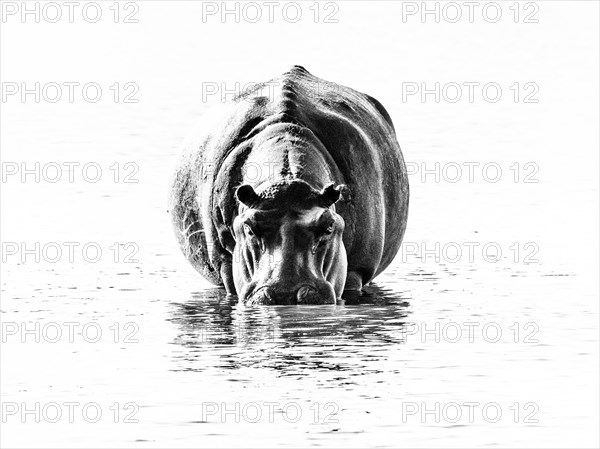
(297, 193)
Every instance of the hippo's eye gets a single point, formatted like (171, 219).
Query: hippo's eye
(248, 230)
(329, 229)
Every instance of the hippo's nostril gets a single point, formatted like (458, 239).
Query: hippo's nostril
(308, 295)
(261, 297)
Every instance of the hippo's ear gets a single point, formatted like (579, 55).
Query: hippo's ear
(330, 194)
(246, 195)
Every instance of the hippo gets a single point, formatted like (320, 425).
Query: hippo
(294, 193)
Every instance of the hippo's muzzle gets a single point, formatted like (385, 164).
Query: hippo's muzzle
(305, 294)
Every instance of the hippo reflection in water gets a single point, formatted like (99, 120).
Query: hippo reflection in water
(296, 192)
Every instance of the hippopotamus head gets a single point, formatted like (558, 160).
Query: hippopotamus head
(288, 244)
